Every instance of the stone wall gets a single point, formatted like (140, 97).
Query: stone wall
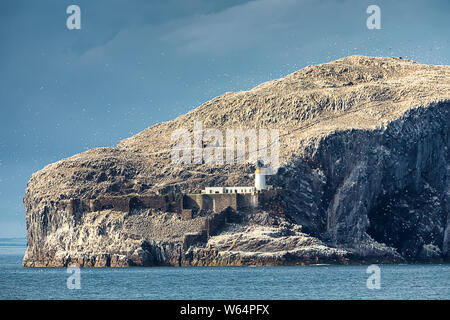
(173, 202)
(219, 202)
(193, 201)
(213, 224)
(223, 201)
(168, 203)
(117, 203)
(247, 201)
(216, 221)
(143, 202)
(215, 202)
(194, 238)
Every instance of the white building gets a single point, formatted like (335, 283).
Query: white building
(210, 190)
(260, 184)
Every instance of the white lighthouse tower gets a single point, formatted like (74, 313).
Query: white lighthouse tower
(260, 177)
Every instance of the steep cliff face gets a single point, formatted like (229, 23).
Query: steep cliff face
(364, 155)
(390, 184)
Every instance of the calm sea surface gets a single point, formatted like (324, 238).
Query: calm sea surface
(431, 281)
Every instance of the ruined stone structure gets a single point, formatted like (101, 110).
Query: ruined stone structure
(185, 204)
(213, 224)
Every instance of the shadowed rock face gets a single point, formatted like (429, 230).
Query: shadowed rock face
(364, 154)
(390, 184)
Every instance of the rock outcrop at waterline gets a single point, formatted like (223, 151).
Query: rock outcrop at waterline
(365, 172)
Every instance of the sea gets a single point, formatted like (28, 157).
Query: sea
(394, 281)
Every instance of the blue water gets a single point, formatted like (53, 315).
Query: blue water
(424, 281)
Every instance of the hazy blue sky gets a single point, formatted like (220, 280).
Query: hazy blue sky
(136, 63)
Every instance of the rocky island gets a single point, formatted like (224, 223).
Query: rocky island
(363, 177)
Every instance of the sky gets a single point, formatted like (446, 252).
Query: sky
(136, 63)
